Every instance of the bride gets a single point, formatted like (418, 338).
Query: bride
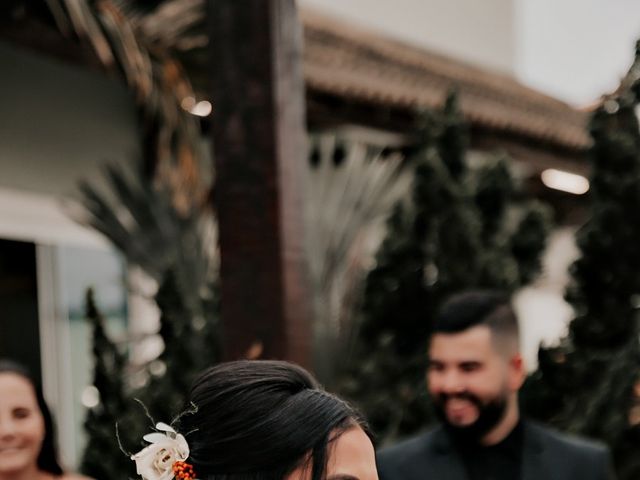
(260, 420)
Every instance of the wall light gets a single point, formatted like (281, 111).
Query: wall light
(565, 181)
(201, 109)
(90, 397)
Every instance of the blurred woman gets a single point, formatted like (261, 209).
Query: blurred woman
(27, 446)
(260, 420)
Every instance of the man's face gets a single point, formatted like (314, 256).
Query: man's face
(472, 383)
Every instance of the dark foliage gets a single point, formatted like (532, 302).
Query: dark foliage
(590, 383)
(461, 227)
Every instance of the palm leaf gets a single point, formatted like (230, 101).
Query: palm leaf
(113, 28)
(351, 190)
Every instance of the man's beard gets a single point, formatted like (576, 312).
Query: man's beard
(490, 413)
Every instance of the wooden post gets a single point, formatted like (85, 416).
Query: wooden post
(260, 160)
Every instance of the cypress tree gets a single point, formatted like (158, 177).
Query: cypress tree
(102, 457)
(462, 227)
(590, 383)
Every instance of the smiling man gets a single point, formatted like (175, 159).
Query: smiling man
(474, 375)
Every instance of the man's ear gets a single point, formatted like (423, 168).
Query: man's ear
(517, 372)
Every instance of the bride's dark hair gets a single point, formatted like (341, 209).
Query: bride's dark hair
(260, 420)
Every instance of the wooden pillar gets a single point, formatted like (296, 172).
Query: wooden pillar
(260, 160)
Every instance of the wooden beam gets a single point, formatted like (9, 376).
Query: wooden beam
(258, 133)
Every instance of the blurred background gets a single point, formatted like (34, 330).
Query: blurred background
(187, 181)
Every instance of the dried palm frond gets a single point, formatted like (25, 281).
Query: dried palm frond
(60, 16)
(170, 24)
(87, 27)
(350, 192)
(172, 135)
(141, 220)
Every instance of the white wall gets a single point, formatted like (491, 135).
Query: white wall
(480, 32)
(541, 309)
(575, 49)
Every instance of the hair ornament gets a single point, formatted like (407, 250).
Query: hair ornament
(165, 457)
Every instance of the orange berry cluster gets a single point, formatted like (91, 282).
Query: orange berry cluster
(183, 471)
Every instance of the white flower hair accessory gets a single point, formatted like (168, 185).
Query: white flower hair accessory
(165, 457)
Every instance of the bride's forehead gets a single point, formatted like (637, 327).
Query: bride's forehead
(352, 457)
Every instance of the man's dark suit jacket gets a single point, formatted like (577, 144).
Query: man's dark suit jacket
(547, 455)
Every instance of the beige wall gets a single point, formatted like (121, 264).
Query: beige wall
(59, 123)
(576, 50)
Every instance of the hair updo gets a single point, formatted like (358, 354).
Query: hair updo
(260, 420)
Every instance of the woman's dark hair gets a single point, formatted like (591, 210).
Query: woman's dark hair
(260, 420)
(48, 457)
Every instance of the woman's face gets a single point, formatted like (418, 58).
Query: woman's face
(350, 457)
(21, 424)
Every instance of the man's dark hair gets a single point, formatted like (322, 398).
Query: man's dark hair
(48, 456)
(260, 420)
(478, 307)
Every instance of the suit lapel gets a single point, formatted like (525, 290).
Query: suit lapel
(533, 467)
(446, 461)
